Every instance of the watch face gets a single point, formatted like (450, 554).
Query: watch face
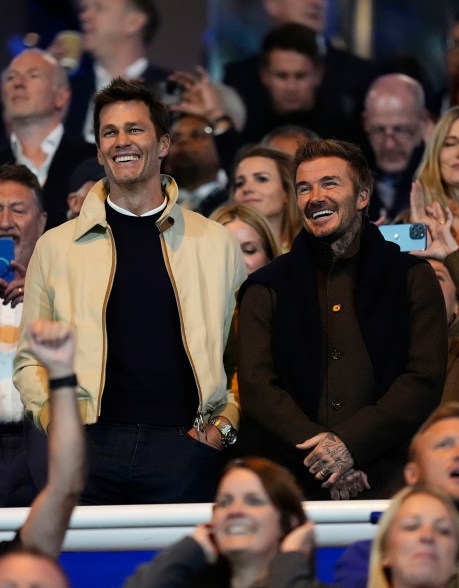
(231, 437)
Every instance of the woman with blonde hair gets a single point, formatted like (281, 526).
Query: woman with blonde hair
(417, 543)
(437, 178)
(262, 178)
(253, 232)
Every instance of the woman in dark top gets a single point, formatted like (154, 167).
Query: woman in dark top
(258, 537)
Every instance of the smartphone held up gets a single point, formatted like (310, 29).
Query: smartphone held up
(409, 237)
(6, 257)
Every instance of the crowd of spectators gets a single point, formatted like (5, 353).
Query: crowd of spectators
(138, 200)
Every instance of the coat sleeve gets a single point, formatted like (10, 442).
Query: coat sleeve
(173, 568)
(30, 377)
(292, 570)
(261, 395)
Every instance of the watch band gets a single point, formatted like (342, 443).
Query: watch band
(227, 431)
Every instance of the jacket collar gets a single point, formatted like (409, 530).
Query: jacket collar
(92, 212)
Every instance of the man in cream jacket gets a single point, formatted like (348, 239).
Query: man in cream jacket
(150, 291)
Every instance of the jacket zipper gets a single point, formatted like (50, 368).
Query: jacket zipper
(104, 325)
(199, 414)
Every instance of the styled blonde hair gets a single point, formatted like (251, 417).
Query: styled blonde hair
(379, 576)
(428, 172)
(247, 214)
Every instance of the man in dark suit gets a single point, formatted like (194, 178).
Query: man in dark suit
(395, 121)
(345, 76)
(36, 93)
(115, 36)
(194, 163)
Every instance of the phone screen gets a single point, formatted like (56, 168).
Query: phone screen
(6, 257)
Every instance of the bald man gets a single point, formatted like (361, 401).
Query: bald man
(36, 95)
(395, 121)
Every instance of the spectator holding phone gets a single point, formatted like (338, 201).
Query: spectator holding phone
(22, 448)
(438, 174)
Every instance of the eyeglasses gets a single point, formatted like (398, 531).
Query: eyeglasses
(398, 133)
(194, 135)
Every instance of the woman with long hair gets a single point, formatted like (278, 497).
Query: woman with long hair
(262, 178)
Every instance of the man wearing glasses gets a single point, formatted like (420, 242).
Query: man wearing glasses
(395, 120)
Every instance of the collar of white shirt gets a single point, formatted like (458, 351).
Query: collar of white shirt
(49, 146)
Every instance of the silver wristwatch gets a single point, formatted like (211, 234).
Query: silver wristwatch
(227, 431)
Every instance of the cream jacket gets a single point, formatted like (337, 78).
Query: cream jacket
(69, 279)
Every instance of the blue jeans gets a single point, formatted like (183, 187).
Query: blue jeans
(144, 464)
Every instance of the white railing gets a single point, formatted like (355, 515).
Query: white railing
(147, 527)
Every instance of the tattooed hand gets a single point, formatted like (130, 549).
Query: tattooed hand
(329, 460)
(349, 485)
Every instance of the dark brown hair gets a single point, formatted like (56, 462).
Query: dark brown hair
(280, 486)
(362, 176)
(120, 90)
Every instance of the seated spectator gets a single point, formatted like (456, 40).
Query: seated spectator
(451, 294)
(46, 524)
(258, 536)
(81, 181)
(287, 138)
(291, 70)
(251, 229)
(443, 255)
(417, 543)
(36, 95)
(116, 35)
(339, 92)
(194, 163)
(262, 178)
(433, 459)
(23, 449)
(448, 95)
(438, 172)
(395, 121)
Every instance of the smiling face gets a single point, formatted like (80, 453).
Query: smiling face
(245, 522)
(437, 458)
(421, 545)
(129, 148)
(20, 219)
(327, 202)
(252, 248)
(449, 157)
(258, 183)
